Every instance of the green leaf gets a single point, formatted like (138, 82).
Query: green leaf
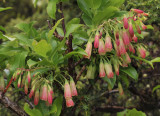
(105, 14)
(73, 21)
(149, 27)
(51, 8)
(130, 71)
(58, 102)
(96, 3)
(87, 20)
(41, 47)
(53, 29)
(35, 3)
(155, 88)
(84, 7)
(156, 60)
(134, 112)
(31, 63)
(111, 81)
(79, 52)
(24, 40)
(32, 112)
(18, 61)
(2, 28)
(42, 107)
(71, 28)
(53, 109)
(7, 8)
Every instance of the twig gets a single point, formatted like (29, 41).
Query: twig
(12, 106)
(62, 16)
(78, 62)
(78, 76)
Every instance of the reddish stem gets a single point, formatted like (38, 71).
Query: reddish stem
(7, 86)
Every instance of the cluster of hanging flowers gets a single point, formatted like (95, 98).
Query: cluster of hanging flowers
(116, 41)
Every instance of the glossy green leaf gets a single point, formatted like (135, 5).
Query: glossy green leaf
(111, 81)
(73, 21)
(96, 3)
(71, 28)
(84, 7)
(105, 14)
(32, 112)
(42, 107)
(7, 8)
(53, 109)
(130, 71)
(51, 8)
(2, 29)
(134, 112)
(156, 60)
(58, 102)
(155, 88)
(31, 63)
(41, 47)
(149, 27)
(50, 33)
(87, 20)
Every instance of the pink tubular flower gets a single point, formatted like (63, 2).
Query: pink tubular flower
(50, 89)
(131, 32)
(138, 11)
(108, 68)
(36, 97)
(101, 48)
(131, 48)
(69, 102)
(144, 27)
(117, 35)
(135, 38)
(134, 18)
(145, 14)
(101, 69)
(67, 90)
(117, 42)
(125, 22)
(88, 49)
(96, 40)
(108, 44)
(121, 46)
(127, 58)
(125, 38)
(26, 86)
(44, 92)
(73, 88)
(138, 29)
(32, 92)
(142, 52)
(19, 81)
(117, 49)
(49, 97)
(29, 77)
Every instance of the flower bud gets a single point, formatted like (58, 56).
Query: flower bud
(120, 89)
(2, 84)
(69, 102)
(89, 72)
(19, 81)
(44, 91)
(73, 88)
(125, 22)
(145, 14)
(142, 52)
(131, 48)
(134, 18)
(117, 49)
(49, 97)
(23, 81)
(67, 90)
(137, 11)
(125, 37)
(29, 77)
(144, 27)
(135, 38)
(26, 86)
(101, 69)
(127, 58)
(117, 35)
(138, 29)
(101, 48)
(32, 92)
(131, 32)
(122, 49)
(108, 44)
(117, 42)
(36, 97)
(96, 41)
(108, 68)
(116, 66)
(88, 49)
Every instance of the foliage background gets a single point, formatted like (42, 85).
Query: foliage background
(24, 11)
